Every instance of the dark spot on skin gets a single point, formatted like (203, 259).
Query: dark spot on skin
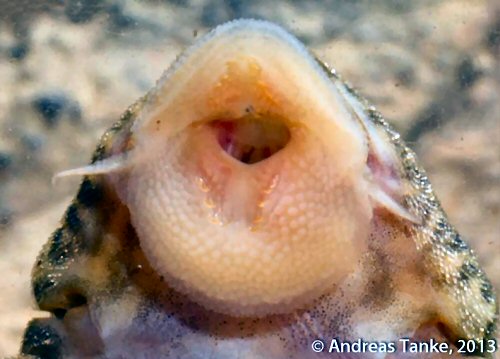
(126, 117)
(440, 227)
(40, 286)
(489, 330)
(487, 291)
(456, 244)
(41, 341)
(99, 153)
(468, 270)
(89, 194)
(376, 117)
(72, 219)
(59, 248)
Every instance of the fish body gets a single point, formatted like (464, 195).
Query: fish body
(249, 205)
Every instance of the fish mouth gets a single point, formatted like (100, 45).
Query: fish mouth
(246, 187)
(240, 166)
(251, 139)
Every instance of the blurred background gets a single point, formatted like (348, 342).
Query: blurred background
(69, 68)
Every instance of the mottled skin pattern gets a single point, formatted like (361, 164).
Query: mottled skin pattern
(94, 278)
(463, 281)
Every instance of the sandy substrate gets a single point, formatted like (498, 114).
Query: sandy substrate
(431, 67)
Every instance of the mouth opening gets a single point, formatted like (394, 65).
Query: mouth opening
(250, 139)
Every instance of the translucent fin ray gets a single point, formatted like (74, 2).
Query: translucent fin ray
(108, 165)
(383, 199)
